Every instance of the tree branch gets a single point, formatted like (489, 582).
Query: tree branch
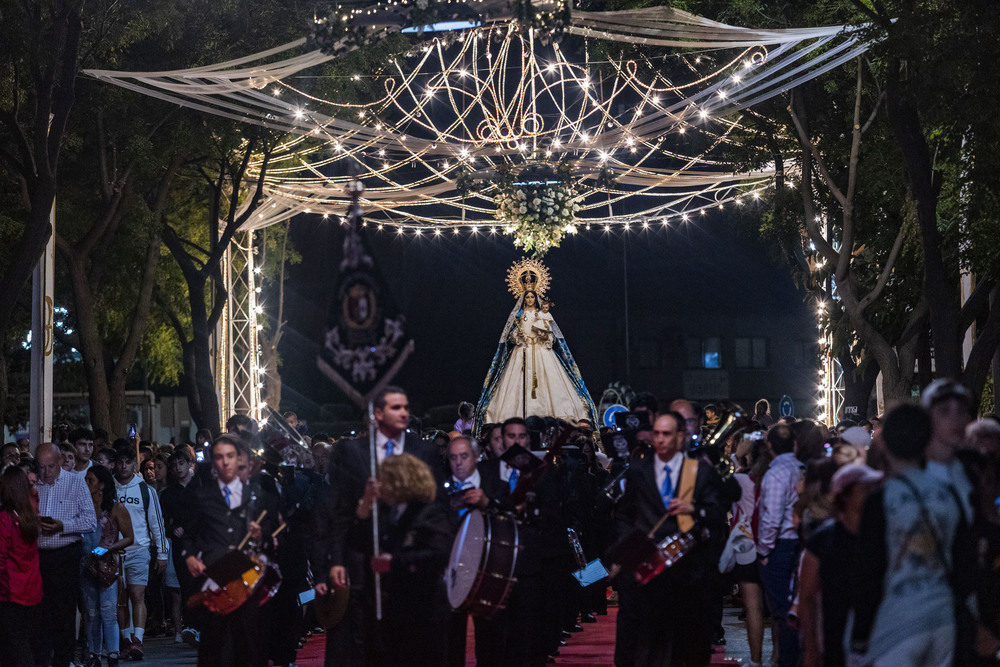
(874, 113)
(817, 158)
(883, 278)
(172, 317)
(978, 300)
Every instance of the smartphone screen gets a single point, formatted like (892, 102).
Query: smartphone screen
(99, 551)
(199, 456)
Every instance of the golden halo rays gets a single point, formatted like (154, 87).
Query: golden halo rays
(528, 274)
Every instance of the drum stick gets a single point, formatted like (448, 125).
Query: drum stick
(652, 531)
(279, 529)
(247, 537)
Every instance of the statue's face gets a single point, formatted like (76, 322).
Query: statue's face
(529, 299)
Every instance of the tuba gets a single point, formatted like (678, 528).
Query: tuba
(712, 445)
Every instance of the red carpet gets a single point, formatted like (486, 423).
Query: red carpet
(594, 647)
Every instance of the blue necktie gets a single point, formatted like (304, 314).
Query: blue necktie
(465, 510)
(226, 491)
(390, 448)
(513, 480)
(667, 490)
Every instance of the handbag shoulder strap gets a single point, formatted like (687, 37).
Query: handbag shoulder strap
(926, 516)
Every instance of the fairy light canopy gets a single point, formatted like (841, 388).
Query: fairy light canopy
(469, 111)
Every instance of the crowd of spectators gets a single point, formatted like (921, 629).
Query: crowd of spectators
(876, 543)
(872, 543)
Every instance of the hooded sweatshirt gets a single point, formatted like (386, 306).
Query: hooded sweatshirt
(130, 495)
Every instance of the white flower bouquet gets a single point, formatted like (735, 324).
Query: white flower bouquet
(539, 214)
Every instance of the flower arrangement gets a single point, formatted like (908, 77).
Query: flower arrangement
(537, 212)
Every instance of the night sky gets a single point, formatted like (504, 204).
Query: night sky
(453, 293)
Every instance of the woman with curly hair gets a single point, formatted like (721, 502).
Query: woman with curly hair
(415, 544)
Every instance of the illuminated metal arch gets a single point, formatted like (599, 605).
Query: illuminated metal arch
(238, 354)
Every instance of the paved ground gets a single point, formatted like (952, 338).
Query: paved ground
(736, 638)
(162, 651)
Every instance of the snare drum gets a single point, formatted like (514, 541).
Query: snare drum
(481, 569)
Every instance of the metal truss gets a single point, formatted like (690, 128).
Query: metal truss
(238, 372)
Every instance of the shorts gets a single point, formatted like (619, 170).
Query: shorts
(170, 579)
(746, 574)
(137, 566)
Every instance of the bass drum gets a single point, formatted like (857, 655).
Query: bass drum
(481, 569)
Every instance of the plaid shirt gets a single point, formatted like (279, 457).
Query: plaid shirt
(69, 501)
(777, 498)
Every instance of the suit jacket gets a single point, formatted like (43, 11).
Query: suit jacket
(340, 539)
(497, 490)
(642, 506)
(212, 529)
(420, 543)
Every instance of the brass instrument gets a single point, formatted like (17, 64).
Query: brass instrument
(574, 542)
(730, 415)
(614, 489)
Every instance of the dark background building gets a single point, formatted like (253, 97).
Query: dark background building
(710, 314)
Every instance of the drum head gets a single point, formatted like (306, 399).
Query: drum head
(466, 556)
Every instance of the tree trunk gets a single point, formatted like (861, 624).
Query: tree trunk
(191, 388)
(985, 349)
(272, 383)
(88, 342)
(202, 380)
(857, 386)
(940, 283)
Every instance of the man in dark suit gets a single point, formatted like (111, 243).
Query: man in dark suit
(343, 545)
(674, 608)
(464, 490)
(220, 513)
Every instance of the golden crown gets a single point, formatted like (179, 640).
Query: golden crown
(528, 274)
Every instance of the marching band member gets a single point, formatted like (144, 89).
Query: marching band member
(673, 609)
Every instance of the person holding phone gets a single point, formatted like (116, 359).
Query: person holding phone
(67, 512)
(101, 602)
(20, 577)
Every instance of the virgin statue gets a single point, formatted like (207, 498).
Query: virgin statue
(533, 371)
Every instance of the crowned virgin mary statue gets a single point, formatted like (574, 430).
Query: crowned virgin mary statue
(533, 371)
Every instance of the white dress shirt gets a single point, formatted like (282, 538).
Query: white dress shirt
(675, 473)
(473, 481)
(505, 471)
(235, 492)
(380, 441)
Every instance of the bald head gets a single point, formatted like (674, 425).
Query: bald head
(49, 459)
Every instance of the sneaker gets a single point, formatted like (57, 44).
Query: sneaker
(190, 637)
(124, 646)
(93, 661)
(136, 652)
(112, 660)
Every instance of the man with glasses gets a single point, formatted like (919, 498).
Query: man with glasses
(692, 419)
